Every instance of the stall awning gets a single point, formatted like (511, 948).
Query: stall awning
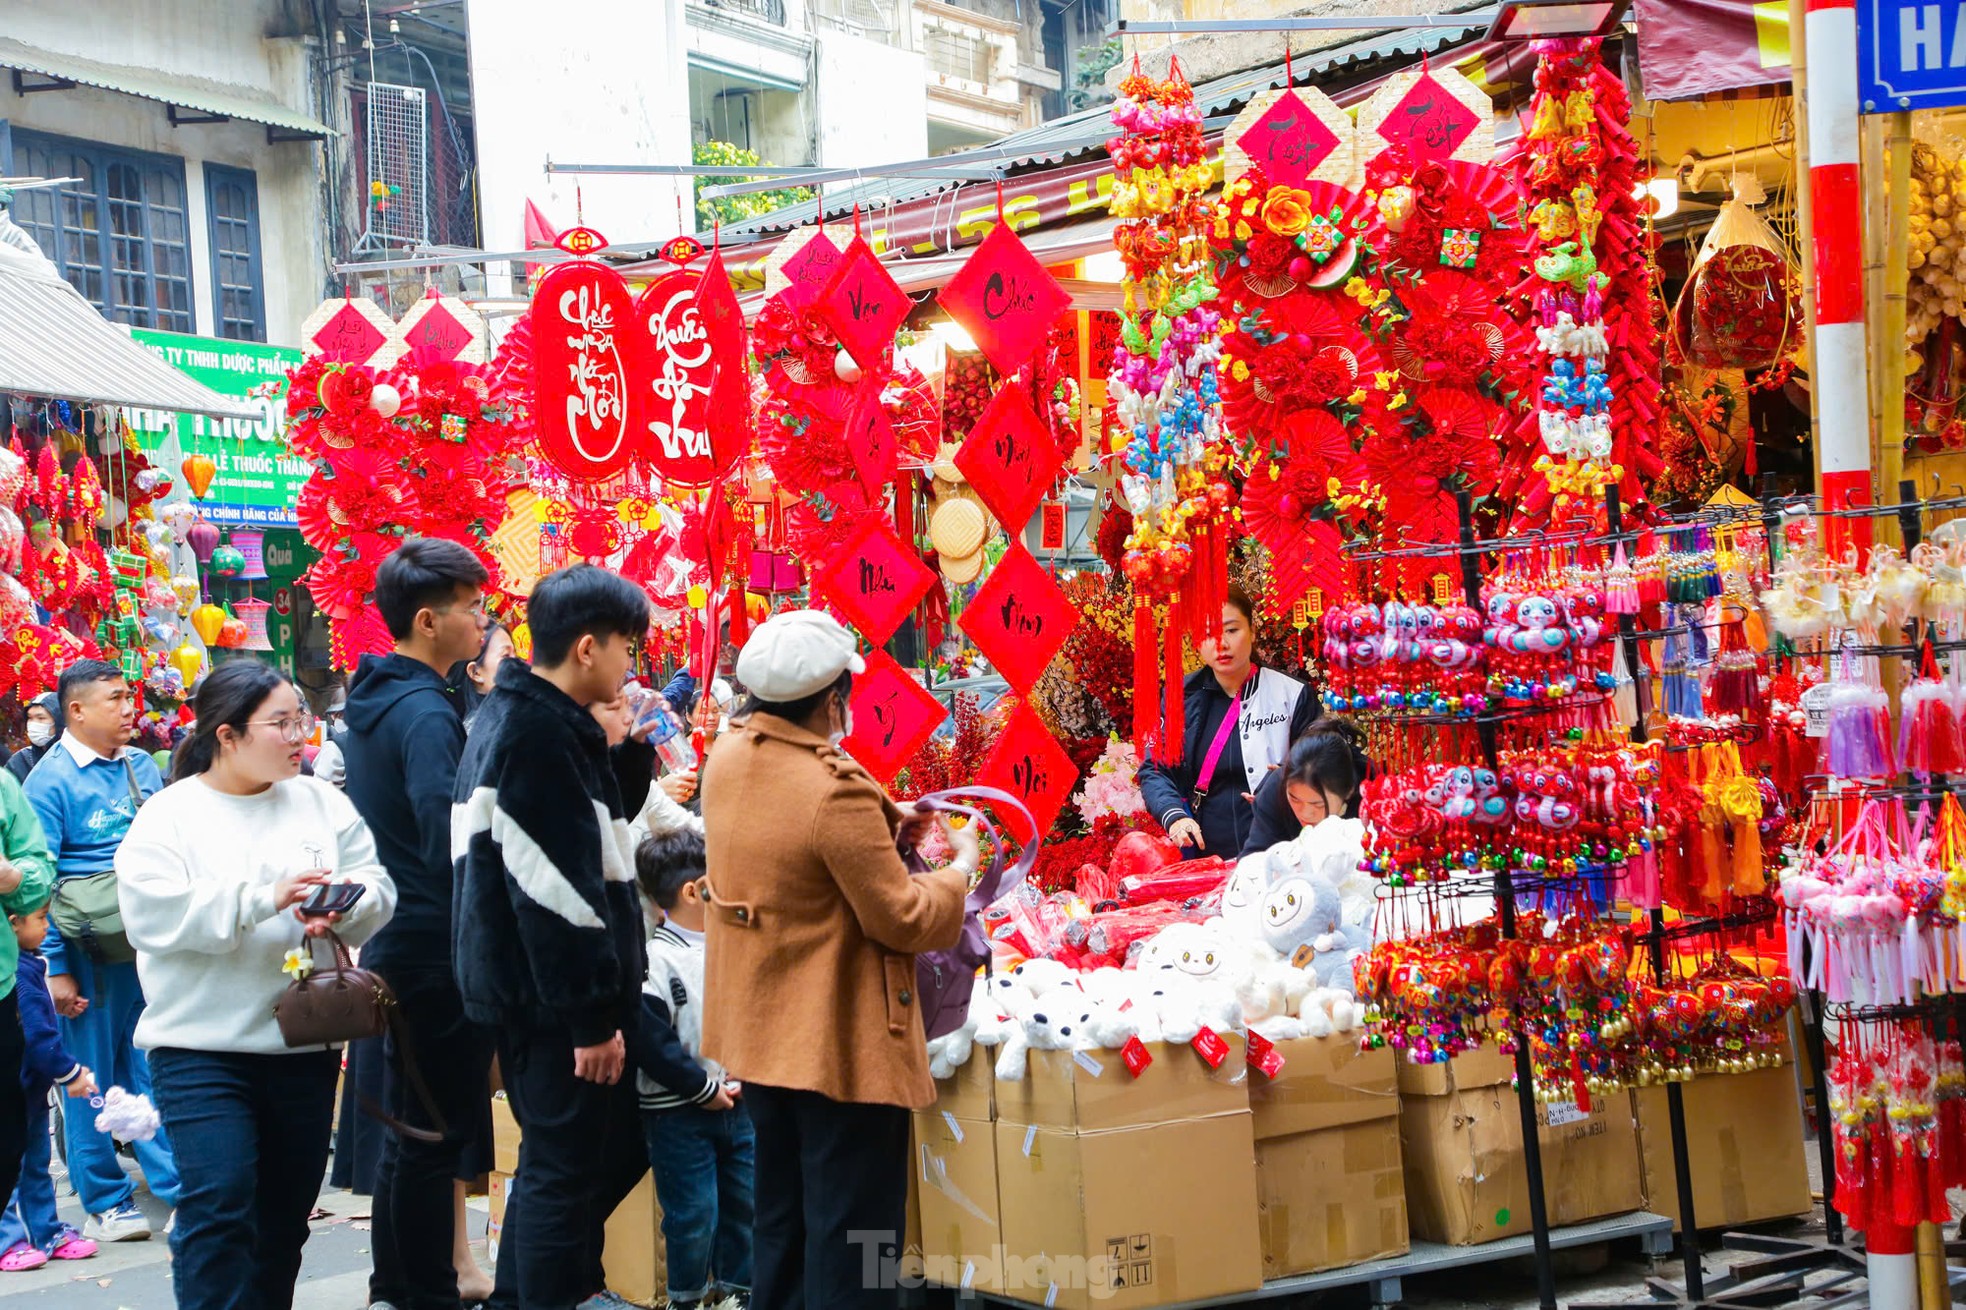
(203, 100)
(56, 345)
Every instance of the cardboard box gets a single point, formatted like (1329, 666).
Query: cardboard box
(1325, 1082)
(1093, 1091)
(1331, 1198)
(955, 1175)
(1484, 1067)
(505, 1137)
(1743, 1143)
(632, 1254)
(971, 1093)
(1465, 1178)
(1129, 1218)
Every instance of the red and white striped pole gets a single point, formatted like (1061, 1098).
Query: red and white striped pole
(1842, 379)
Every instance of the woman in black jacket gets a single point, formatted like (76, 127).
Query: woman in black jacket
(1320, 780)
(43, 729)
(1204, 799)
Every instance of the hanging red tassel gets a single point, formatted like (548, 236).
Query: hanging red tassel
(1174, 739)
(1146, 682)
(740, 618)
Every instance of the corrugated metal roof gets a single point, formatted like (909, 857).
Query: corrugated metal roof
(55, 344)
(1088, 129)
(198, 94)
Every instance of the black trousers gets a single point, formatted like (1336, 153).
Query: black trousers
(832, 1201)
(413, 1206)
(580, 1152)
(13, 1100)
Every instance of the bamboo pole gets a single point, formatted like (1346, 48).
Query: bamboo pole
(1888, 348)
(1933, 1293)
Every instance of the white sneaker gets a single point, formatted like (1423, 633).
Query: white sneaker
(170, 1224)
(123, 1224)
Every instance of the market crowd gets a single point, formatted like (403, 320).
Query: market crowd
(657, 979)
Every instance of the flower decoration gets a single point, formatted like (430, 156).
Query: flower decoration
(299, 962)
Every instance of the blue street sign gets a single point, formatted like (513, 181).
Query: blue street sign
(1911, 54)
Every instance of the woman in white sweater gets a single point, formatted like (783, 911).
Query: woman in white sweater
(211, 881)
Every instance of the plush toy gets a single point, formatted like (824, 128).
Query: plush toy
(1046, 1028)
(1294, 912)
(1041, 977)
(1328, 1010)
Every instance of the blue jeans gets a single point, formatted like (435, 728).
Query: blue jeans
(104, 1039)
(252, 1138)
(703, 1162)
(30, 1216)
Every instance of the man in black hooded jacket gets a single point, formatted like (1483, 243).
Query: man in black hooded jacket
(404, 739)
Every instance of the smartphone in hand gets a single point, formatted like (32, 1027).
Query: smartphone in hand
(333, 898)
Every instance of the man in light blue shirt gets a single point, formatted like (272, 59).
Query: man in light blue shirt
(85, 792)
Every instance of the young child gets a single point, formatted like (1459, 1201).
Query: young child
(31, 1231)
(699, 1136)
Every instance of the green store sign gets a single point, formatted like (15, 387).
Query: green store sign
(257, 480)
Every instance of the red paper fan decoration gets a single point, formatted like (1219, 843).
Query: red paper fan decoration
(892, 716)
(870, 441)
(1009, 458)
(1417, 475)
(1019, 618)
(1005, 298)
(1031, 766)
(875, 580)
(863, 304)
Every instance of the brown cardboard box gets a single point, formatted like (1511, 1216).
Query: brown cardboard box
(1325, 1082)
(971, 1093)
(1465, 1178)
(505, 1137)
(1129, 1218)
(1743, 1142)
(1483, 1067)
(1092, 1090)
(955, 1175)
(632, 1254)
(1331, 1198)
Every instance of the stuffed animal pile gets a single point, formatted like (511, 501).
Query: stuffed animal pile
(1276, 960)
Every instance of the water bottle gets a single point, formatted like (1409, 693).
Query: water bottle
(668, 735)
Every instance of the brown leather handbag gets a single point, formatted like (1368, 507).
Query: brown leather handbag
(345, 1003)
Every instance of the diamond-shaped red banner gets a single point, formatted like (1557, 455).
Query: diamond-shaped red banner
(1029, 765)
(1428, 121)
(1005, 298)
(892, 716)
(870, 440)
(349, 337)
(436, 336)
(1019, 618)
(875, 580)
(1009, 458)
(1289, 141)
(863, 304)
(810, 269)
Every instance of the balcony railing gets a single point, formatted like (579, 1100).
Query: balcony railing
(765, 11)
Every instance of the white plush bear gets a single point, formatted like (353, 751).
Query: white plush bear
(1107, 1026)
(951, 1051)
(1048, 1027)
(1107, 986)
(1041, 977)
(1241, 894)
(1329, 1010)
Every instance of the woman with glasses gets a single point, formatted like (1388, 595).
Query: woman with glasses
(215, 880)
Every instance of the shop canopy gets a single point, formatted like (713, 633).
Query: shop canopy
(186, 99)
(55, 344)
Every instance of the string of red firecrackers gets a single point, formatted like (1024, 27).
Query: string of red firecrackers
(1165, 393)
(1588, 253)
(419, 449)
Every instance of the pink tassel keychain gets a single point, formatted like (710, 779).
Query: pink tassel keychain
(1929, 738)
(1620, 584)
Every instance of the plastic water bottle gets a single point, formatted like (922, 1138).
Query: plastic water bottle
(669, 736)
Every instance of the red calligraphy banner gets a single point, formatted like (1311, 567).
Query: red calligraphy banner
(680, 373)
(585, 358)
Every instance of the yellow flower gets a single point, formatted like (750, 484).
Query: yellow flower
(1382, 297)
(1286, 211)
(1397, 402)
(1356, 288)
(1384, 381)
(298, 964)
(1243, 231)
(1356, 398)
(1239, 371)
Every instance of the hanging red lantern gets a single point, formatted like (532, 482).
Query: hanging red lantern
(677, 381)
(587, 356)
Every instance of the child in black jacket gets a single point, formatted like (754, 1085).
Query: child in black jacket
(547, 932)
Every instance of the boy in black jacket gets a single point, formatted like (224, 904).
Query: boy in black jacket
(547, 932)
(403, 740)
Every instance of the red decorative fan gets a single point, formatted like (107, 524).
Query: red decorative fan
(1019, 618)
(1448, 442)
(893, 715)
(1031, 766)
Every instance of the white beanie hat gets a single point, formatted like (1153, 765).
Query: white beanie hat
(793, 655)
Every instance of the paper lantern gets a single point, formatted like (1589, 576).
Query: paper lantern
(202, 537)
(178, 518)
(187, 590)
(198, 472)
(187, 659)
(252, 613)
(226, 561)
(206, 621)
(251, 544)
(232, 635)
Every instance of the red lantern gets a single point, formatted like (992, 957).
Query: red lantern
(676, 385)
(587, 354)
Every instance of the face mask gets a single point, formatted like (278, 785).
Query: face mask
(40, 734)
(846, 725)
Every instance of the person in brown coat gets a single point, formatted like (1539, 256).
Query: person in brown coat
(809, 979)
